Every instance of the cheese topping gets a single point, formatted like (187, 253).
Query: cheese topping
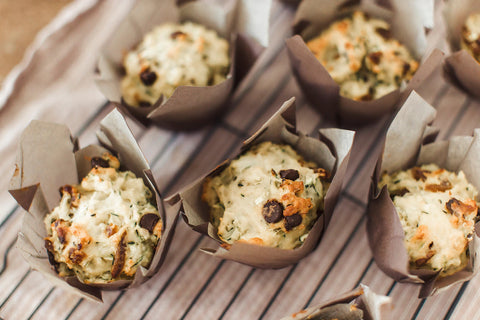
(437, 209)
(173, 55)
(362, 58)
(268, 196)
(105, 228)
(471, 35)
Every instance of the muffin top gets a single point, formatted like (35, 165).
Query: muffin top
(106, 227)
(362, 58)
(437, 210)
(267, 196)
(471, 35)
(173, 55)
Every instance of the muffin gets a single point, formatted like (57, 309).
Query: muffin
(173, 55)
(437, 210)
(362, 58)
(470, 37)
(105, 228)
(268, 196)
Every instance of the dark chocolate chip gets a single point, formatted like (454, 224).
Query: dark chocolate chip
(398, 192)
(290, 174)
(272, 211)
(51, 259)
(406, 68)
(419, 174)
(148, 77)
(99, 162)
(177, 34)
(385, 33)
(49, 245)
(65, 189)
(149, 221)
(375, 57)
(292, 221)
(144, 104)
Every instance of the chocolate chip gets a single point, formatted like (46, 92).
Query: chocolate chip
(149, 221)
(65, 189)
(272, 211)
(148, 77)
(398, 192)
(385, 33)
(375, 57)
(49, 245)
(292, 221)
(419, 174)
(51, 259)
(144, 104)
(99, 162)
(406, 68)
(177, 34)
(290, 174)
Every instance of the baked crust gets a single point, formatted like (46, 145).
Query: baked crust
(267, 196)
(362, 58)
(106, 227)
(438, 211)
(173, 55)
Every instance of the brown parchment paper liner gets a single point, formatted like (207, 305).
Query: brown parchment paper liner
(408, 20)
(245, 25)
(408, 143)
(460, 67)
(47, 158)
(331, 152)
(374, 306)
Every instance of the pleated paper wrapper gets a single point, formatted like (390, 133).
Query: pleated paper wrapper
(331, 151)
(373, 306)
(408, 20)
(461, 68)
(48, 158)
(409, 143)
(244, 25)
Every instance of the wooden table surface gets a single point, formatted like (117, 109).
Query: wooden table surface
(193, 285)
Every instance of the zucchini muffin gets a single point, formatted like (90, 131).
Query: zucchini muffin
(362, 58)
(105, 228)
(267, 196)
(437, 210)
(471, 35)
(173, 55)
